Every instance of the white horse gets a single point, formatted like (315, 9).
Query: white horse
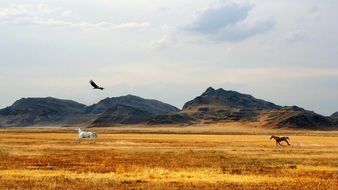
(85, 134)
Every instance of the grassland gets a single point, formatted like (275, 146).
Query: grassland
(146, 158)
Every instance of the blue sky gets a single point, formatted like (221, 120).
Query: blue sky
(283, 51)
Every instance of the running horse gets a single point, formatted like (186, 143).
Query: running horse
(85, 134)
(280, 139)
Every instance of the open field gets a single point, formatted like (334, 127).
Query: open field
(142, 158)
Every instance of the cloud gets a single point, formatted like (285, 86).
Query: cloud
(161, 43)
(313, 10)
(44, 16)
(66, 13)
(168, 38)
(44, 9)
(132, 25)
(229, 22)
(296, 36)
(163, 9)
(242, 30)
(32, 15)
(41, 21)
(18, 10)
(214, 19)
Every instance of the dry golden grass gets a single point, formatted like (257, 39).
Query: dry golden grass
(232, 158)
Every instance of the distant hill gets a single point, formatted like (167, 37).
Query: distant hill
(211, 106)
(152, 106)
(335, 114)
(295, 117)
(123, 114)
(221, 104)
(172, 118)
(228, 100)
(31, 111)
(334, 117)
(49, 111)
(128, 110)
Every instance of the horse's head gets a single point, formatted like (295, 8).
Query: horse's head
(271, 137)
(77, 129)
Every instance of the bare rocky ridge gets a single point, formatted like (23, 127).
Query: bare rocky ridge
(148, 105)
(334, 117)
(50, 111)
(44, 111)
(128, 110)
(335, 114)
(211, 106)
(228, 100)
(122, 114)
(295, 117)
(221, 105)
(173, 118)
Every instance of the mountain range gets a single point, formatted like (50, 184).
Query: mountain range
(211, 106)
(43, 111)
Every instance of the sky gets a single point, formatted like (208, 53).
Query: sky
(283, 51)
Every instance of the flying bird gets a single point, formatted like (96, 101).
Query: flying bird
(95, 85)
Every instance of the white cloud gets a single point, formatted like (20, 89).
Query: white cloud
(66, 13)
(42, 15)
(16, 10)
(296, 36)
(313, 9)
(132, 25)
(41, 21)
(20, 10)
(242, 30)
(168, 37)
(229, 22)
(161, 43)
(44, 9)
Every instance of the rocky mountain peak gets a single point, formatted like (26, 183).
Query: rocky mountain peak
(209, 90)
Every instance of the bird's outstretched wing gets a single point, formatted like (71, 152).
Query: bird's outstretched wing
(93, 84)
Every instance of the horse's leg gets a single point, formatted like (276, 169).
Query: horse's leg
(287, 142)
(90, 140)
(78, 140)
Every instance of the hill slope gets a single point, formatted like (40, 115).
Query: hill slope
(335, 114)
(148, 105)
(30, 111)
(128, 110)
(122, 114)
(48, 111)
(211, 106)
(221, 104)
(295, 117)
(228, 100)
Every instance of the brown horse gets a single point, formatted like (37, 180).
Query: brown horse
(279, 139)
